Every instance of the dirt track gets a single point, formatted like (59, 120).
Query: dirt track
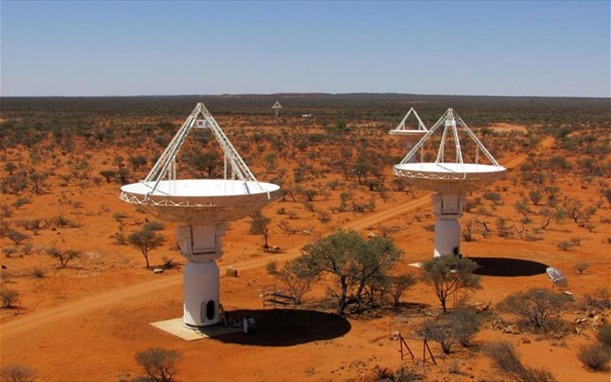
(81, 307)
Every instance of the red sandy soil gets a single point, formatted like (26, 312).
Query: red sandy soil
(86, 322)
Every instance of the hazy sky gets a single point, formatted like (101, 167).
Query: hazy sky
(522, 48)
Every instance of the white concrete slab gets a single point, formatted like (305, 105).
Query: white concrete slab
(178, 328)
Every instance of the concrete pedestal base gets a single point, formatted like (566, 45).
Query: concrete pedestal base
(201, 245)
(448, 208)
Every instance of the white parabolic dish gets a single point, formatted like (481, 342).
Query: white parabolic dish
(449, 177)
(200, 201)
(408, 133)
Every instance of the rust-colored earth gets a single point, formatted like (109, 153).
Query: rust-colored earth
(85, 322)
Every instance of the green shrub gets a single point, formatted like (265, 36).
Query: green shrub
(536, 308)
(159, 364)
(604, 335)
(595, 356)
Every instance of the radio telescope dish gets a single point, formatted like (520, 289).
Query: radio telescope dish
(196, 201)
(202, 207)
(411, 136)
(445, 176)
(450, 179)
(556, 277)
(402, 129)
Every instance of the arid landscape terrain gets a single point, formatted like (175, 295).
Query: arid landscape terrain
(83, 299)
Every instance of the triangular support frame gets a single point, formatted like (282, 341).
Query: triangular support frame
(200, 117)
(401, 127)
(451, 121)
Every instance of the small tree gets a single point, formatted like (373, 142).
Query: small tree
(122, 174)
(14, 372)
(109, 175)
(465, 323)
(260, 226)
(536, 308)
(459, 326)
(535, 197)
(37, 180)
(440, 331)
(146, 240)
(16, 236)
(522, 207)
(352, 261)
(449, 274)
(137, 161)
(398, 285)
(64, 257)
(10, 167)
(582, 266)
(494, 197)
(506, 360)
(296, 275)
(159, 364)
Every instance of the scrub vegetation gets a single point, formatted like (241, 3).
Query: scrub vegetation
(346, 238)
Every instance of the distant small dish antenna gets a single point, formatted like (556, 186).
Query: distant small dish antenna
(556, 277)
(277, 107)
(401, 129)
(412, 135)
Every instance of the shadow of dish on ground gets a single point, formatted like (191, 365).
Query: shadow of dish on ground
(278, 327)
(506, 267)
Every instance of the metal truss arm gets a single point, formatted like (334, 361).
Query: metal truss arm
(477, 141)
(166, 164)
(421, 142)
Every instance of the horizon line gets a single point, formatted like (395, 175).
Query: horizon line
(279, 94)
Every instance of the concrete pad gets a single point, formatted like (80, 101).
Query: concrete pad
(178, 328)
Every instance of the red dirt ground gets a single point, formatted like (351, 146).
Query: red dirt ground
(86, 322)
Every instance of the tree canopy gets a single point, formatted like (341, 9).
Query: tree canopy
(147, 239)
(352, 261)
(448, 274)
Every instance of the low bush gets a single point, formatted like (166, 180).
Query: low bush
(465, 323)
(581, 267)
(38, 273)
(8, 297)
(440, 331)
(604, 335)
(536, 308)
(595, 356)
(506, 360)
(169, 263)
(598, 300)
(565, 245)
(159, 364)
(15, 372)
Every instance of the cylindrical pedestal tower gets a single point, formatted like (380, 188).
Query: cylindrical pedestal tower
(201, 245)
(201, 294)
(447, 237)
(448, 208)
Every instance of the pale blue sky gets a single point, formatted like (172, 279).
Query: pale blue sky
(91, 48)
